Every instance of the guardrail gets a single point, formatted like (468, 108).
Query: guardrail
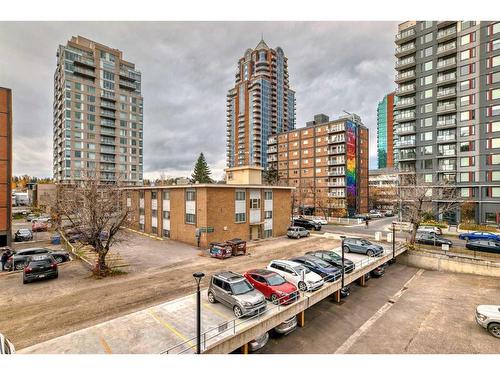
(229, 328)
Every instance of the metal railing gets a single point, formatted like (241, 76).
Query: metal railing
(230, 327)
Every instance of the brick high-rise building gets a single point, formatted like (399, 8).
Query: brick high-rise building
(448, 120)
(98, 125)
(260, 104)
(5, 165)
(327, 161)
(385, 132)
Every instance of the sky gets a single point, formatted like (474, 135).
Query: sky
(187, 69)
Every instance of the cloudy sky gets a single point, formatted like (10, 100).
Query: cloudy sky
(187, 68)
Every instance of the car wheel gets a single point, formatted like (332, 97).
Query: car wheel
(369, 253)
(56, 276)
(466, 238)
(494, 329)
(302, 286)
(274, 299)
(346, 249)
(59, 259)
(211, 298)
(25, 281)
(308, 234)
(19, 266)
(237, 312)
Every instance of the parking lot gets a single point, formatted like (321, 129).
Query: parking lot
(434, 315)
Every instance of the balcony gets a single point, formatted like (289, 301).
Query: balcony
(336, 128)
(339, 172)
(108, 95)
(446, 64)
(447, 122)
(405, 116)
(405, 76)
(405, 143)
(446, 78)
(407, 129)
(107, 131)
(406, 102)
(405, 35)
(405, 63)
(445, 23)
(447, 167)
(446, 48)
(447, 93)
(272, 158)
(109, 105)
(336, 139)
(446, 34)
(336, 150)
(446, 138)
(127, 85)
(107, 141)
(405, 49)
(272, 150)
(444, 108)
(272, 141)
(125, 74)
(447, 153)
(337, 161)
(108, 114)
(405, 156)
(407, 89)
(335, 184)
(84, 72)
(84, 61)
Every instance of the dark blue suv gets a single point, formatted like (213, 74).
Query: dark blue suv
(324, 269)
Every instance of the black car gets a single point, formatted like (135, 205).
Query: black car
(378, 272)
(334, 259)
(319, 266)
(20, 257)
(40, 267)
(431, 238)
(23, 234)
(305, 223)
(487, 246)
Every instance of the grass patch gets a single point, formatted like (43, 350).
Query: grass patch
(477, 227)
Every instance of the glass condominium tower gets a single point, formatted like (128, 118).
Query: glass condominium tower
(385, 132)
(448, 110)
(98, 115)
(260, 104)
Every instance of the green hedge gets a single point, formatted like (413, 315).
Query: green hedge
(477, 227)
(434, 223)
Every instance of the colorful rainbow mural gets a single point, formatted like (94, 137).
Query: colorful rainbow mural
(351, 167)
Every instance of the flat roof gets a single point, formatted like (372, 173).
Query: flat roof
(194, 186)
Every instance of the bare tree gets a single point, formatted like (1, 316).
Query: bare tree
(419, 199)
(95, 213)
(382, 196)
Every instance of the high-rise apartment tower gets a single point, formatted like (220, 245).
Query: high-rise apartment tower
(98, 127)
(385, 132)
(260, 104)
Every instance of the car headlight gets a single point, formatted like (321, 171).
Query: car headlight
(481, 317)
(309, 282)
(281, 293)
(247, 304)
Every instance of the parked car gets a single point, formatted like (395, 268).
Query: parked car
(479, 236)
(287, 326)
(297, 274)
(297, 232)
(273, 286)
(40, 267)
(345, 291)
(488, 316)
(378, 272)
(19, 258)
(431, 238)
(389, 213)
(258, 343)
(6, 347)
(31, 217)
(23, 234)
(362, 246)
(375, 214)
(306, 223)
(39, 226)
(320, 220)
(362, 216)
(324, 269)
(484, 245)
(334, 259)
(234, 291)
(429, 229)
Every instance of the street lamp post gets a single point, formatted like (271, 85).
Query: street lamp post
(343, 270)
(198, 276)
(393, 242)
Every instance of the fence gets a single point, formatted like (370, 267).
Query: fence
(337, 220)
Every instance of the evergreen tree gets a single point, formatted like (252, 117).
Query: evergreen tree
(201, 171)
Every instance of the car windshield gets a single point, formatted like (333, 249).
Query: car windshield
(299, 269)
(322, 263)
(41, 262)
(275, 280)
(333, 256)
(241, 287)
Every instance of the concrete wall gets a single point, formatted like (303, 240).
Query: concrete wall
(445, 263)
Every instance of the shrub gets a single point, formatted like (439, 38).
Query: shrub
(477, 227)
(435, 223)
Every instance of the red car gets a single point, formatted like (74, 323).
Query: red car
(39, 226)
(273, 286)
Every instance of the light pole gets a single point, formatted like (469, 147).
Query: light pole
(393, 242)
(198, 276)
(343, 238)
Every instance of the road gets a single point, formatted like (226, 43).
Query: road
(377, 225)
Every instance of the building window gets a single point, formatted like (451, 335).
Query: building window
(240, 196)
(166, 195)
(268, 195)
(495, 159)
(166, 233)
(190, 219)
(154, 213)
(495, 192)
(255, 203)
(190, 195)
(154, 230)
(141, 227)
(268, 214)
(166, 215)
(464, 177)
(268, 233)
(240, 217)
(153, 194)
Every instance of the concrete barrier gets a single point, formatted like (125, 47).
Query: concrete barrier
(450, 263)
(389, 237)
(378, 236)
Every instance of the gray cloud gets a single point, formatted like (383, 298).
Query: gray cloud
(187, 69)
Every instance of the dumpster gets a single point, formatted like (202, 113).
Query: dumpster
(55, 239)
(238, 246)
(220, 250)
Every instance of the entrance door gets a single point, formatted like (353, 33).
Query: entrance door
(254, 232)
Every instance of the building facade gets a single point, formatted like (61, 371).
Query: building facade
(448, 120)
(219, 212)
(383, 188)
(385, 132)
(98, 115)
(259, 105)
(5, 166)
(327, 161)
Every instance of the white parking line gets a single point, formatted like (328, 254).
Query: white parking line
(343, 349)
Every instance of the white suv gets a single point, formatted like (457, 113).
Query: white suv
(296, 274)
(488, 316)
